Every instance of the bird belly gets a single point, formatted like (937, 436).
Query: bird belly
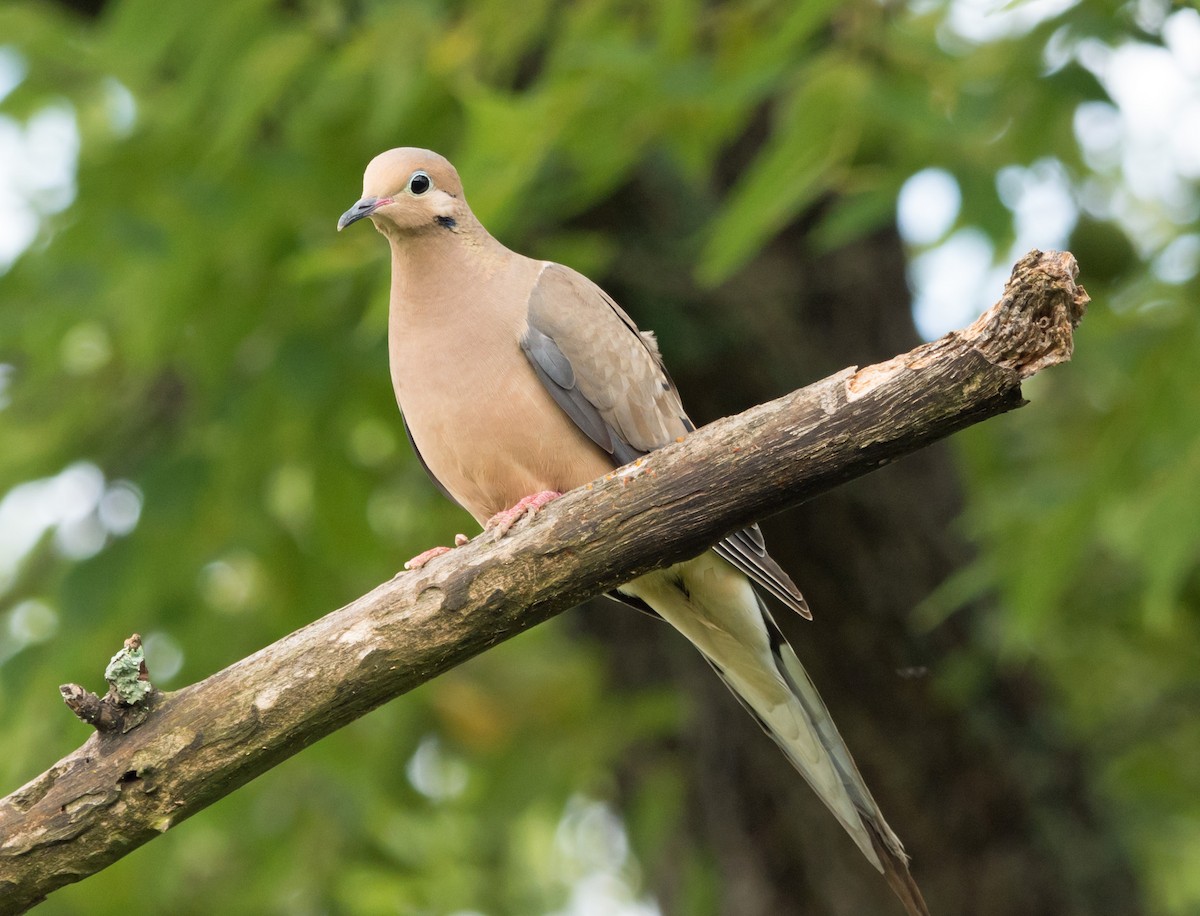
(505, 441)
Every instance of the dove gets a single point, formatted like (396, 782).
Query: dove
(520, 379)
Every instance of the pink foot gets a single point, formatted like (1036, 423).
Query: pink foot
(422, 558)
(425, 556)
(501, 522)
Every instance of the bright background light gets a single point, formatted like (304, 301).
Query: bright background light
(1145, 151)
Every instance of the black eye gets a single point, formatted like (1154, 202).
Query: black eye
(419, 183)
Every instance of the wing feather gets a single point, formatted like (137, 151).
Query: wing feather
(610, 379)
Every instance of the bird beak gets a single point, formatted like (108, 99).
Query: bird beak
(363, 208)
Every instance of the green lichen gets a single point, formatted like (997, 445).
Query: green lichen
(125, 674)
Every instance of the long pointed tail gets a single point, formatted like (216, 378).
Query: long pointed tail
(900, 880)
(717, 609)
(891, 857)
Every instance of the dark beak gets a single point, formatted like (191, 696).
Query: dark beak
(362, 209)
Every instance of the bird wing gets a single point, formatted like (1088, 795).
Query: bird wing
(607, 375)
(610, 379)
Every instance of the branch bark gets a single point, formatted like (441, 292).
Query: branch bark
(200, 743)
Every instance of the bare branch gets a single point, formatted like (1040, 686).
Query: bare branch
(198, 744)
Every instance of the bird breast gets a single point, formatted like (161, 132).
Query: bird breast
(483, 423)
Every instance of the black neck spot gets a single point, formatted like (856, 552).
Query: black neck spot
(446, 222)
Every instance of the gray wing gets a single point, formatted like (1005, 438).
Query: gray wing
(610, 379)
(606, 374)
(747, 551)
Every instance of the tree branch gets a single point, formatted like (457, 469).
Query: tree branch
(198, 744)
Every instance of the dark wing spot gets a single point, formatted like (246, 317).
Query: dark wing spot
(680, 584)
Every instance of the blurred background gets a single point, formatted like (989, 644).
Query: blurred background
(198, 440)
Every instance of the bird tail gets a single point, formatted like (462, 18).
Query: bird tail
(886, 852)
(717, 609)
(899, 878)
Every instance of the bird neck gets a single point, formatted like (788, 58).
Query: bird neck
(432, 267)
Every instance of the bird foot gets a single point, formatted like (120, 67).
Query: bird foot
(500, 523)
(424, 557)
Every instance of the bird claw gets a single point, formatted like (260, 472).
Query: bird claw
(500, 523)
(425, 556)
(422, 558)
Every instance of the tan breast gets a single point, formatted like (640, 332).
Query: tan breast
(484, 425)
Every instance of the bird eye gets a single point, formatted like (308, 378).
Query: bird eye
(419, 183)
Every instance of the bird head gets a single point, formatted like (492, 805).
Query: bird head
(408, 190)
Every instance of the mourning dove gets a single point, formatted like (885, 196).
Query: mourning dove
(520, 379)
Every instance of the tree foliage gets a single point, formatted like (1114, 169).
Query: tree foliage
(194, 373)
